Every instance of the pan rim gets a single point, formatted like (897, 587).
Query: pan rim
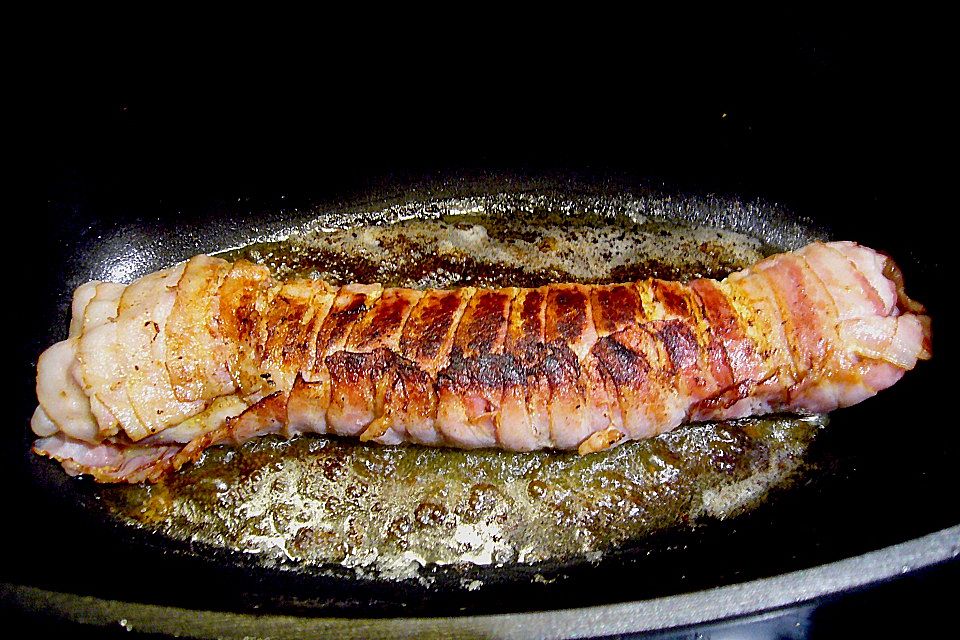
(669, 612)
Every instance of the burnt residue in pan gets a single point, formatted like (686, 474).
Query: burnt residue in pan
(389, 511)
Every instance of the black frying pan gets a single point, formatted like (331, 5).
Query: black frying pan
(835, 521)
(886, 506)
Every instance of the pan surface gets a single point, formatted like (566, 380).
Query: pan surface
(867, 498)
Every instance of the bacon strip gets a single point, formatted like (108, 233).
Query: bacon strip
(210, 353)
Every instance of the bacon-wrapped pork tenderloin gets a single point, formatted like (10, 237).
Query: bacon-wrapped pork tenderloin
(210, 352)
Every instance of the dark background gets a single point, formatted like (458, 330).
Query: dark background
(812, 109)
(844, 116)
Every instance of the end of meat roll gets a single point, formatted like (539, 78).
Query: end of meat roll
(107, 403)
(880, 337)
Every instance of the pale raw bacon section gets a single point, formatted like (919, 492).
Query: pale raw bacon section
(102, 307)
(872, 265)
(889, 339)
(102, 361)
(62, 396)
(81, 298)
(141, 339)
(210, 353)
(109, 461)
(812, 321)
(850, 290)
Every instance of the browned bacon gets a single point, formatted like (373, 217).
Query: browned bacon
(210, 352)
